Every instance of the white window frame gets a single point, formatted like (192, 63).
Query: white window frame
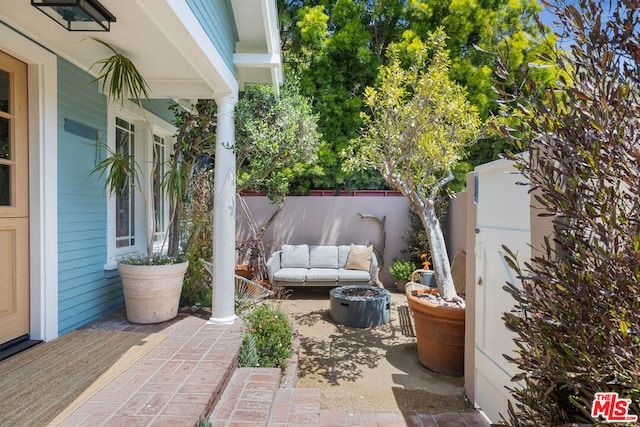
(144, 156)
(168, 138)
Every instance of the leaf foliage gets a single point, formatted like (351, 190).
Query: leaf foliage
(577, 303)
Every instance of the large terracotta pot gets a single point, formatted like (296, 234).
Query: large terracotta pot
(401, 284)
(439, 333)
(152, 292)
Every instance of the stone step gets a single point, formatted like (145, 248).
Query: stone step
(296, 406)
(248, 398)
(301, 406)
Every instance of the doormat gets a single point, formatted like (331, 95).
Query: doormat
(48, 382)
(406, 326)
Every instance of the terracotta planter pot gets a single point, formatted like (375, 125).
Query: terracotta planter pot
(152, 292)
(400, 284)
(439, 334)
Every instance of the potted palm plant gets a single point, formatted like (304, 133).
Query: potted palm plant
(151, 282)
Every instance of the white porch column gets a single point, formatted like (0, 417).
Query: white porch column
(224, 214)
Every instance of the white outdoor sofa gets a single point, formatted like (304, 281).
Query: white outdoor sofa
(315, 265)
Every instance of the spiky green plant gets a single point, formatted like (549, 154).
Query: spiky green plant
(120, 77)
(248, 357)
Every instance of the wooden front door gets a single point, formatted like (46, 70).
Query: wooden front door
(14, 200)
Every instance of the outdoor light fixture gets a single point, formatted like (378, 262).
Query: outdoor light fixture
(77, 15)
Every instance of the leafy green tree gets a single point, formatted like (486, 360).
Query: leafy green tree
(276, 137)
(472, 27)
(335, 47)
(577, 309)
(418, 125)
(195, 137)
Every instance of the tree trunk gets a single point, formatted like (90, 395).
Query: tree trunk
(440, 258)
(174, 231)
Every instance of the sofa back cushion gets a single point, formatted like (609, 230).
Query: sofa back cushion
(323, 256)
(343, 253)
(294, 256)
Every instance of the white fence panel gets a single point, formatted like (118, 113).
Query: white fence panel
(502, 218)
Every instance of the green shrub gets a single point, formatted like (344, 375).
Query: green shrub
(401, 270)
(198, 222)
(271, 330)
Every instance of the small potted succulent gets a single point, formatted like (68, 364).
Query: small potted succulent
(401, 271)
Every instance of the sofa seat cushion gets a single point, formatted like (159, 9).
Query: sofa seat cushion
(353, 275)
(291, 274)
(322, 275)
(294, 256)
(323, 256)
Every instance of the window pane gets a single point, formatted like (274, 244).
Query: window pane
(122, 214)
(5, 94)
(158, 200)
(125, 204)
(5, 185)
(5, 139)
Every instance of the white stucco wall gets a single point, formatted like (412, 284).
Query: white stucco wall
(331, 220)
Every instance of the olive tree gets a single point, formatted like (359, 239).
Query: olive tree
(416, 128)
(276, 135)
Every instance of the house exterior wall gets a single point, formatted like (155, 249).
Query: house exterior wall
(216, 18)
(86, 291)
(160, 108)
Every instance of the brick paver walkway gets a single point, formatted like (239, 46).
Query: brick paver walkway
(192, 374)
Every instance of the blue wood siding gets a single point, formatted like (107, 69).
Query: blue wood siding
(85, 290)
(216, 18)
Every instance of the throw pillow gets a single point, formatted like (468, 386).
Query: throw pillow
(359, 259)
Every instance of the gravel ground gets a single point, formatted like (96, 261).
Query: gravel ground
(372, 369)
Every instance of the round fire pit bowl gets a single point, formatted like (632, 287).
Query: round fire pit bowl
(360, 306)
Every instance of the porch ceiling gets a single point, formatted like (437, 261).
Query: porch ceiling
(163, 40)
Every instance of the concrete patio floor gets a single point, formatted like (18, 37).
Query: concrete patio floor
(192, 374)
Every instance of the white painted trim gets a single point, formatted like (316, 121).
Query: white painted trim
(181, 26)
(270, 16)
(256, 60)
(43, 180)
